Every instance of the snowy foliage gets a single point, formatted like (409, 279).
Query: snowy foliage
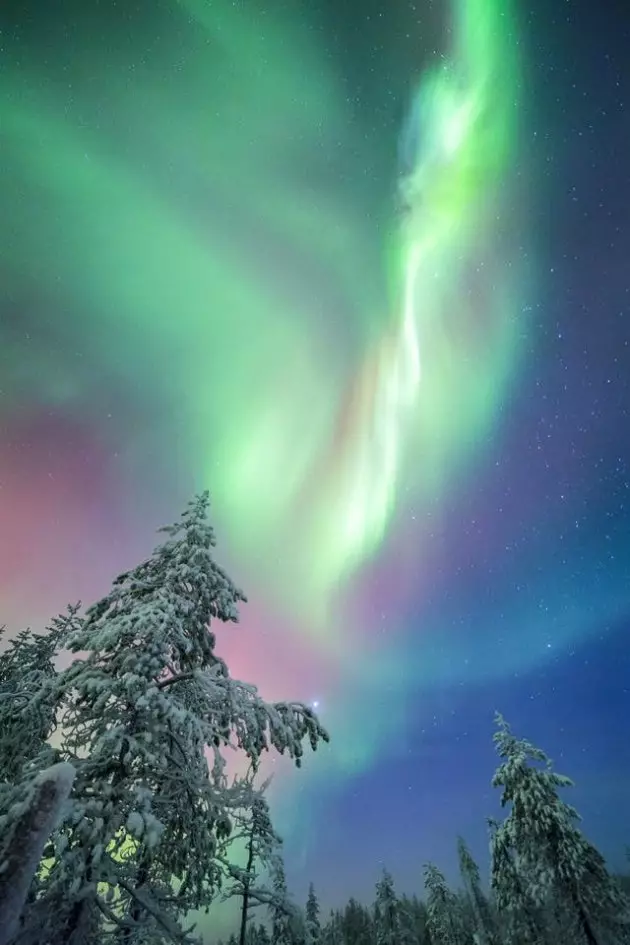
(31, 822)
(311, 918)
(26, 719)
(540, 855)
(386, 918)
(443, 914)
(332, 932)
(281, 909)
(484, 926)
(252, 826)
(145, 837)
(257, 935)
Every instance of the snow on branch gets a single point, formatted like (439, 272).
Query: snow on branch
(33, 822)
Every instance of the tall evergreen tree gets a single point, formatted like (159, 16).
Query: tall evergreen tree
(414, 912)
(408, 921)
(257, 935)
(262, 935)
(332, 930)
(281, 908)
(484, 920)
(297, 926)
(313, 928)
(386, 918)
(357, 924)
(548, 850)
(139, 848)
(520, 918)
(443, 910)
(254, 828)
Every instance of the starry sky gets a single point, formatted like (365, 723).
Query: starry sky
(361, 270)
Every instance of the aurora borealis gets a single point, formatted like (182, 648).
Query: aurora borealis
(338, 268)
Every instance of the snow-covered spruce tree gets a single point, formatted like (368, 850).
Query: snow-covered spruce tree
(332, 931)
(357, 924)
(253, 827)
(313, 927)
(484, 919)
(386, 918)
(548, 850)
(413, 921)
(407, 921)
(281, 908)
(297, 927)
(443, 909)
(139, 848)
(258, 935)
(520, 918)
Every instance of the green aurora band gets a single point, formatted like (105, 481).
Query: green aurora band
(207, 268)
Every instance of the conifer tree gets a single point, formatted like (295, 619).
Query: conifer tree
(139, 848)
(313, 928)
(386, 918)
(281, 908)
(257, 935)
(443, 911)
(547, 849)
(407, 920)
(254, 827)
(483, 919)
(520, 917)
(332, 931)
(262, 935)
(414, 912)
(357, 924)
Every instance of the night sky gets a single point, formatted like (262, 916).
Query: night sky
(362, 270)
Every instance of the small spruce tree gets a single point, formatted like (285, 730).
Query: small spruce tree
(313, 928)
(262, 935)
(483, 918)
(253, 826)
(280, 907)
(332, 931)
(386, 918)
(443, 910)
(357, 924)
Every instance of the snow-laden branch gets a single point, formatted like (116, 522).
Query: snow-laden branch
(173, 931)
(23, 849)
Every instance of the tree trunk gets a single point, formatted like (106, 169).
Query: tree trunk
(245, 906)
(136, 910)
(585, 923)
(23, 852)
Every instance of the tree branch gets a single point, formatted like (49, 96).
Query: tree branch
(179, 677)
(171, 928)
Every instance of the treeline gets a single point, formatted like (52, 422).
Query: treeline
(117, 819)
(548, 884)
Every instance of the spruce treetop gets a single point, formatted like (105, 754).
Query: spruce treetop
(141, 713)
